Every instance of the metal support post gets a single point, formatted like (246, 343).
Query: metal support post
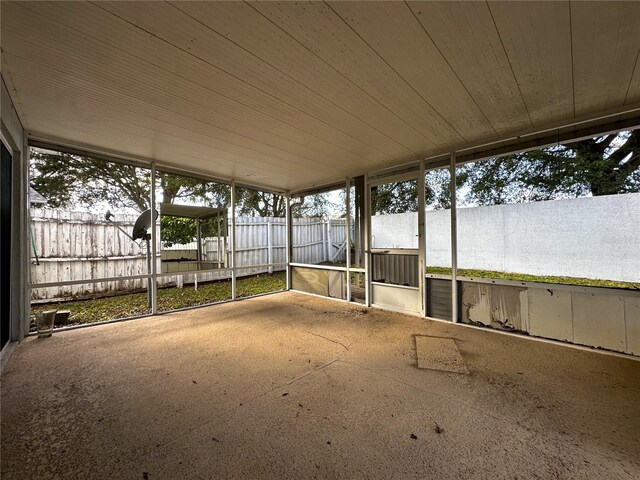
(153, 287)
(367, 240)
(288, 239)
(270, 246)
(233, 240)
(347, 229)
(454, 241)
(422, 243)
(199, 246)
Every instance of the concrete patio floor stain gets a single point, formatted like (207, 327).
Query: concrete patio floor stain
(293, 386)
(438, 353)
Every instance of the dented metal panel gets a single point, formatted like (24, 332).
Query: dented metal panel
(497, 306)
(476, 303)
(509, 307)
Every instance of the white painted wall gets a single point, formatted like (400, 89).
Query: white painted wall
(14, 135)
(593, 237)
(11, 126)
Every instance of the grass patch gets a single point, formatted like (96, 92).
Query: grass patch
(523, 277)
(259, 284)
(94, 310)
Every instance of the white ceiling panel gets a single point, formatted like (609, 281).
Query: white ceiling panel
(538, 46)
(292, 95)
(604, 36)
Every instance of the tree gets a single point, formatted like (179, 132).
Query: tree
(399, 197)
(74, 181)
(605, 165)
(69, 180)
(255, 203)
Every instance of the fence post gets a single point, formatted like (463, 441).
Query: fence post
(329, 252)
(323, 245)
(270, 246)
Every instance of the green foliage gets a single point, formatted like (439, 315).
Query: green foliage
(68, 180)
(180, 189)
(437, 186)
(525, 277)
(177, 230)
(101, 309)
(317, 205)
(398, 197)
(606, 165)
(259, 284)
(193, 191)
(256, 203)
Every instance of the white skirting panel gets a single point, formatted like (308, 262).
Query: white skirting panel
(396, 297)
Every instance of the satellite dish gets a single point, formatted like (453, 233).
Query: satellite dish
(143, 223)
(108, 215)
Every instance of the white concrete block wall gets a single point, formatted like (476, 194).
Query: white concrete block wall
(593, 237)
(394, 231)
(438, 227)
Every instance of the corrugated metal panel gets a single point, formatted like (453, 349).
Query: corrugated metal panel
(438, 298)
(395, 269)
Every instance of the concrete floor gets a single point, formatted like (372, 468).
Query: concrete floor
(292, 386)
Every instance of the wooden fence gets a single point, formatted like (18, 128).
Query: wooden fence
(69, 246)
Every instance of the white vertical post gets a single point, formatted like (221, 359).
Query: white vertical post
(367, 241)
(199, 247)
(357, 233)
(152, 283)
(323, 245)
(329, 240)
(288, 238)
(21, 197)
(347, 238)
(454, 241)
(270, 246)
(225, 241)
(233, 240)
(422, 243)
(219, 251)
